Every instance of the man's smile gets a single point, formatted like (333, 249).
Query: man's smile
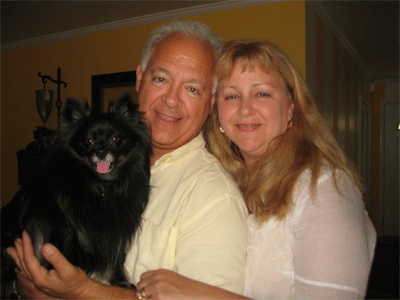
(168, 119)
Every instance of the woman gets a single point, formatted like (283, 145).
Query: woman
(309, 234)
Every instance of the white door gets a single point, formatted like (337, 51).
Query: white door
(391, 170)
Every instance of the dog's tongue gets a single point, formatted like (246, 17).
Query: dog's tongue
(103, 167)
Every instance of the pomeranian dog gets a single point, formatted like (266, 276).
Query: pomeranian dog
(89, 199)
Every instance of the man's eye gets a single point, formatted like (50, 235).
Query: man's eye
(231, 97)
(263, 95)
(158, 79)
(193, 90)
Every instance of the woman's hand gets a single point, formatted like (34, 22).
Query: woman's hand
(64, 281)
(166, 284)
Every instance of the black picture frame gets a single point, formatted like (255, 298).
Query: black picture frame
(102, 81)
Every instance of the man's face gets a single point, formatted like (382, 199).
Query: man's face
(175, 91)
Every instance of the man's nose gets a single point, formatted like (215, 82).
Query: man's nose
(172, 97)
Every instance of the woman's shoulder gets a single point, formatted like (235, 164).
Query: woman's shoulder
(331, 185)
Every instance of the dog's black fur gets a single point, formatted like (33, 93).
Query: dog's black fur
(90, 216)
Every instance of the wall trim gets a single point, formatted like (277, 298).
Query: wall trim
(342, 38)
(173, 14)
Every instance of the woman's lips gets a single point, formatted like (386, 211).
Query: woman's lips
(248, 127)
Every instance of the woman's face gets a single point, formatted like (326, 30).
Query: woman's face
(253, 108)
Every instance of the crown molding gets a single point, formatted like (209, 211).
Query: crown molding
(173, 14)
(316, 4)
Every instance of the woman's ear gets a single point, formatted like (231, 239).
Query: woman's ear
(291, 110)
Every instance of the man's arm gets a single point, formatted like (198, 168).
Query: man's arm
(165, 284)
(64, 281)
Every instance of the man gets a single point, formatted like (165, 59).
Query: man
(195, 223)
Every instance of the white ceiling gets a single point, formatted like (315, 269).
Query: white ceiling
(371, 27)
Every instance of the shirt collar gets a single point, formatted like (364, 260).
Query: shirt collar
(172, 157)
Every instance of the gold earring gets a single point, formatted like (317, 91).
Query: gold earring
(290, 124)
(220, 128)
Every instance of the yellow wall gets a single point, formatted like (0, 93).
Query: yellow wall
(115, 51)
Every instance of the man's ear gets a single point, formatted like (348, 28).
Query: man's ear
(212, 103)
(139, 76)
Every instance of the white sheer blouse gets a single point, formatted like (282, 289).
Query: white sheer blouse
(322, 250)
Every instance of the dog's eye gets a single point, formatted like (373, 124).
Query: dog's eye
(115, 139)
(89, 142)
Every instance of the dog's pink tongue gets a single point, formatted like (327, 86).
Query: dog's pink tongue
(103, 167)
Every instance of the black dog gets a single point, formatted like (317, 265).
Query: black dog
(89, 199)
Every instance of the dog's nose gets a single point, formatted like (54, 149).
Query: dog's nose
(101, 154)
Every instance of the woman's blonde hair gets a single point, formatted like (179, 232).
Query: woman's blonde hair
(308, 144)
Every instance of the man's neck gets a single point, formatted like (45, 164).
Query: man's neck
(158, 153)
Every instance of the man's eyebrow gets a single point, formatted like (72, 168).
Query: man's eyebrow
(198, 81)
(165, 71)
(158, 69)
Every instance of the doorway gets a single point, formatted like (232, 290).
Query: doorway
(390, 133)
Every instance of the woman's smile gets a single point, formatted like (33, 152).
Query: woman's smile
(248, 127)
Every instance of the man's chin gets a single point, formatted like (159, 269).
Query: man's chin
(170, 142)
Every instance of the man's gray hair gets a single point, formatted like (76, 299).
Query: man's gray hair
(187, 28)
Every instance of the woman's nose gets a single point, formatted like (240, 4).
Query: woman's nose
(246, 107)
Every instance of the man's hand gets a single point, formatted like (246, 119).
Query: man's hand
(165, 284)
(64, 281)
(28, 290)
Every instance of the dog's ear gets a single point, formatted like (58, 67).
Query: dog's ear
(124, 106)
(75, 110)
